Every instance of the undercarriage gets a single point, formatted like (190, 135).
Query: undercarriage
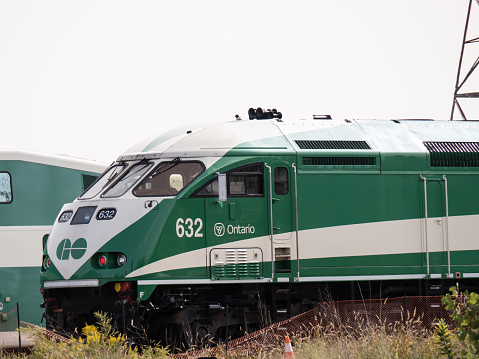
(182, 316)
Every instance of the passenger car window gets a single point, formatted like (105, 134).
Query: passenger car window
(5, 187)
(169, 179)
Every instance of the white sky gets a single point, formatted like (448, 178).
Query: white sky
(92, 78)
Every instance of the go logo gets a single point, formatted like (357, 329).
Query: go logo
(77, 250)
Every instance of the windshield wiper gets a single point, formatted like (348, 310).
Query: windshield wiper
(165, 167)
(114, 174)
(139, 168)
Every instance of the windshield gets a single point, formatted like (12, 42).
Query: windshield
(128, 180)
(169, 179)
(107, 178)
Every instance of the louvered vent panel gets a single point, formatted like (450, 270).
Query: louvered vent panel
(332, 145)
(253, 270)
(453, 154)
(339, 161)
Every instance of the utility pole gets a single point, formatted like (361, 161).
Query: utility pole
(460, 83)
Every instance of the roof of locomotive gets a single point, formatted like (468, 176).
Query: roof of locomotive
(384, 136)
(13, 154)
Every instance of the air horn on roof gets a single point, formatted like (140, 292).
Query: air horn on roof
(260, 114)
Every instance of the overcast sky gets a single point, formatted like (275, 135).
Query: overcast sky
(92, 78)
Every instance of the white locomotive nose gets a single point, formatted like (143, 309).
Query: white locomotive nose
(72, 243)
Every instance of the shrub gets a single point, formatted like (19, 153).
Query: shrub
(464, 308)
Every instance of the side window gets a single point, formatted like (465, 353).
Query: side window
(281, 185)
(208, 190)
(246, 181)
(5, 187)
(243, 181)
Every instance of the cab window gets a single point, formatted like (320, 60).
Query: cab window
(243, 181)
(169, 178)
(5, 187)
(128, 180)
(107, 178)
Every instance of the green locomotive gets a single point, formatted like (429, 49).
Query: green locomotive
(266, 213)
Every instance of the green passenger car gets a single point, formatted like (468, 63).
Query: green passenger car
(33, 187)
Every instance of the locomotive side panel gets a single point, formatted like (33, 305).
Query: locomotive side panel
(359, 224)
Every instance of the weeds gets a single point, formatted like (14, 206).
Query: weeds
(98, 341)
(365, 340)
(335, 331)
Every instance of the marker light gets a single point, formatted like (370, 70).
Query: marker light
(46, 263)
(102, 260)
(120, 260)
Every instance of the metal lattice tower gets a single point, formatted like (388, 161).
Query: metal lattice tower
(460, 83)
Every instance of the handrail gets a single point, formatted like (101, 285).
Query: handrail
(447, 228)
(296, 211)
(425, 221)
(271, 219)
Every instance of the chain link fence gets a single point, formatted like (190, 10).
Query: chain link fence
(348, 317)
(14, 339)
(11, 336)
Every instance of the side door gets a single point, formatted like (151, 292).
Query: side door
(435, 226)
(236, 230)
(281, 198)
(281, 202)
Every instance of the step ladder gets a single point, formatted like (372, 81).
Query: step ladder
(281, 302)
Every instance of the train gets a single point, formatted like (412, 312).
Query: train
(33, 188)
(213, 230)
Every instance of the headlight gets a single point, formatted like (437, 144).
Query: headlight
(121, 260)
